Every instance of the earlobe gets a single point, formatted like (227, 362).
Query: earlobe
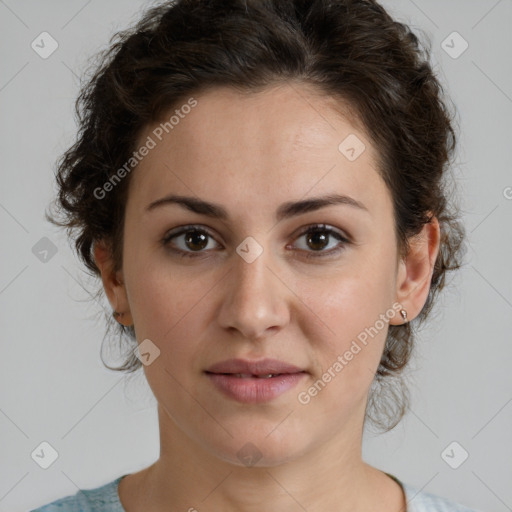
(415, 270)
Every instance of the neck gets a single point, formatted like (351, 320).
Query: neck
(329, 477)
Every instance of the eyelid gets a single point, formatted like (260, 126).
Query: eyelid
(323, 227)
(181, 230)
(343, 238)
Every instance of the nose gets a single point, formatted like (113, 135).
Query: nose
(255, 300)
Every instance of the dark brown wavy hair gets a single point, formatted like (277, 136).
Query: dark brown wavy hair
(350, 50)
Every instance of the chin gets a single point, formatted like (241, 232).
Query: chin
(256, 448)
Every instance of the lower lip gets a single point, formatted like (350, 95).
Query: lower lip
(255, 390)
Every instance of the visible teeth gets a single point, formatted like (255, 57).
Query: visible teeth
(250, 376)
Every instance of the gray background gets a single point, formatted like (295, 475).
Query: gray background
(53, 386)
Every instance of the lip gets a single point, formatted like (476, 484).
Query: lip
(260, 367)
(251, 390)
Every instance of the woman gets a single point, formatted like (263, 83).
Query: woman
(260, 186)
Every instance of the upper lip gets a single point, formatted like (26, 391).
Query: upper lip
(261, 367)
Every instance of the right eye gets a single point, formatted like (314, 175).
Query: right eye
(192, 244)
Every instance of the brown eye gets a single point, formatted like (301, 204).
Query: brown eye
(188, 240)
(317, 240)
(196, 240)
(192, 241)
(318, 237)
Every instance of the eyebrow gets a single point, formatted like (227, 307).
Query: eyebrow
(285, 211)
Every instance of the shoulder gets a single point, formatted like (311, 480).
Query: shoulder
(418, 501)
(101, 498)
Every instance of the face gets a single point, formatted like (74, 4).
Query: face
(262, 281)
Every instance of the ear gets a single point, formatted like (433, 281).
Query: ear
(113, 282)
(415, 270)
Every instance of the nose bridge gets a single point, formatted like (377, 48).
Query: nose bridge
(253, 300)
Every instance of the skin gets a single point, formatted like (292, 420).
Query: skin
(250, 154)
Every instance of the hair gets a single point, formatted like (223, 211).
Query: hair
(348, 50)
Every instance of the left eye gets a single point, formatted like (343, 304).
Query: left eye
(318, 237)
(196, 239)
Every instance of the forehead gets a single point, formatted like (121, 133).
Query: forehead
(269, 147)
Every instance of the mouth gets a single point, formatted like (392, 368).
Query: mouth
(262, 368)
(250, 375)
(254, 381)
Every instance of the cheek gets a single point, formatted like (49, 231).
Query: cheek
(169, 311)
(345, 361)
(353, 309)
(351, 298)
(162, 299)
(173, 308)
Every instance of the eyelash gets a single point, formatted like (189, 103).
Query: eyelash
(311, 229)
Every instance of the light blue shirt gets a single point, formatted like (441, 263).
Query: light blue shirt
(106, 499)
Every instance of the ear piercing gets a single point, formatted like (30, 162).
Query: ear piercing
(117, 316)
